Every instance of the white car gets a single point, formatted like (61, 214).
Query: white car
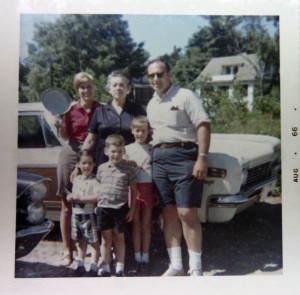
(243, 168)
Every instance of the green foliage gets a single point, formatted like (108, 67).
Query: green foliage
(231, 35)
(252, 123)
(23, 77)
(231, 115)
(101, 90)
(188, 67)
(269, 104)
(172, 58)
(39, 81)
(94, 43)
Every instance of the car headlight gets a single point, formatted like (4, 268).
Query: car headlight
(36, 212)
(216, 172)
(39, 191)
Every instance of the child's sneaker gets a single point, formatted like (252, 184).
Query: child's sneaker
(120, 273)
(195, 273)
(144, 269)
(103, 273)
(137, 269)
(91, 273)
(172, 272)
(80, 271)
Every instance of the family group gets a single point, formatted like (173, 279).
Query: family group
(122, 160)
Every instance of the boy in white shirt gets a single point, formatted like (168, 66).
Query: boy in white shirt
(84, 198)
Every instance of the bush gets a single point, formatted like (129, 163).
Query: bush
(231, 115)
(269, 104)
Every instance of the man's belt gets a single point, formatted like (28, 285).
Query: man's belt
(167, 145)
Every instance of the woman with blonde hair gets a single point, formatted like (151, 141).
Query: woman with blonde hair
(73, 129)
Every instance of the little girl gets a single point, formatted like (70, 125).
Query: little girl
(140, 152)
(84, 198)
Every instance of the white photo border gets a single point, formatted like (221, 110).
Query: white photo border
(288, 282)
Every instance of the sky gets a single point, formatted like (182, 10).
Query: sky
(160, 33)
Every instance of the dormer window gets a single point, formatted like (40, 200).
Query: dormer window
(230, 70)
(227, 70)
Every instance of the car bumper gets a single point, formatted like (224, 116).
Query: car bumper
(28, 238)
(223, 208)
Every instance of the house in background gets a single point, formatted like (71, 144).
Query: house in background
(223, 71)
(141, 91)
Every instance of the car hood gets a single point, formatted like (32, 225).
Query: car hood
(25, 180)
(251, 149)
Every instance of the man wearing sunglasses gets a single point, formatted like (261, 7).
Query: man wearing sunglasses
(181, 139)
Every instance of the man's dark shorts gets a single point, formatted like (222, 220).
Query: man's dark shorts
(172, 175)
(109, 218)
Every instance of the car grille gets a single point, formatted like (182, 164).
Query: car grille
(258, 174)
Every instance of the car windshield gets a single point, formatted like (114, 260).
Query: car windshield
(34, 132)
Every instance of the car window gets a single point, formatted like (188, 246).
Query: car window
(50, 138)
(31, 135)
(30, 132)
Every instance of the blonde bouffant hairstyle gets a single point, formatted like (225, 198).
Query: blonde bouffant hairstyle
(82, 77)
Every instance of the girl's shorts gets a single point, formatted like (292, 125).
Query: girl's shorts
(145, 197)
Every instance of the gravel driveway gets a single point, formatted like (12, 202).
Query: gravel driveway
(249, 244)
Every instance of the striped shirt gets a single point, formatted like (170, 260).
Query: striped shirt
(176, 116)
(114, 182)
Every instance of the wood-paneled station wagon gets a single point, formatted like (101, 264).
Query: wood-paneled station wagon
(243, 168)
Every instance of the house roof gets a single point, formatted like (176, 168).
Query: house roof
(246, 63)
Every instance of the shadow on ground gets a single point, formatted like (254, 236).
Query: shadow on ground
(29, 270)
(251, 242)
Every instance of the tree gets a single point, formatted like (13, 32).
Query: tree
(97, 44)
(210, 41)
(172, 58)
(232, 35)
(224, 35)
(187, 68)
(266, 47)
(39, 80)
(23, 76)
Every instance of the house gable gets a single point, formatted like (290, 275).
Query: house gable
(229, 68)
(223, 71)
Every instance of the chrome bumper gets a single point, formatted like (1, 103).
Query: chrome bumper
(260, 191)
(43, 228)
(28, 238)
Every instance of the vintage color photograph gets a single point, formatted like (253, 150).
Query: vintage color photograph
(149, 140)
(232, 65)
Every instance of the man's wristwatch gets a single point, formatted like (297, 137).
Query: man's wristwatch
(203, 155)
